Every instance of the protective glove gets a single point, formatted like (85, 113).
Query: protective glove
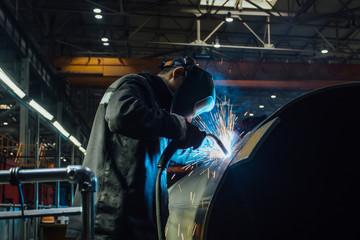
(193, 137)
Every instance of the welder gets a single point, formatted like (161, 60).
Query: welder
(133, 125)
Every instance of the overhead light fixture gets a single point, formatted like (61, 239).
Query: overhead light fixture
(5, 123)
(228, 17)
(75, 141)
(261, 106)
(62, 130)
(82, 150)
(324, 51)
(106, 44)
(97, 10)
(273, 96)
(5, 78)
(104, 39)
(98, 16)
(251, 114)
(217, 43)
(41, 110)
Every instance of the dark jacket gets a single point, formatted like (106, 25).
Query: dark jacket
(130, 131)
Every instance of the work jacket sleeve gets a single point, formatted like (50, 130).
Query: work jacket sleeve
(130, 112)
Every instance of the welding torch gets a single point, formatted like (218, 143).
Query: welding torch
(164, 159)
(219, 142)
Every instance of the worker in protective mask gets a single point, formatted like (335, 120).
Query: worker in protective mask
(131, 129)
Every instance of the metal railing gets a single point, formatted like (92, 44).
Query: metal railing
(74, 174)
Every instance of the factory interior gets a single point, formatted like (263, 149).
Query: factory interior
(287, 80)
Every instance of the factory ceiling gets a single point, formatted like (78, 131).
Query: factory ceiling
(261, 30)
(279, 41)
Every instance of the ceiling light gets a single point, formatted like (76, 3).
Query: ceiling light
(104, 39)
(82, 149)
(75, 141)
(97, 10)
(261, 106)
(5, 106)
(98, 16)
(217, 43)
(5, 123)
(11, 84)
(106, 44)
(228, 17)
(273, 96)
(41, 110)
(61, 129)
(251, 114)
(324, 51)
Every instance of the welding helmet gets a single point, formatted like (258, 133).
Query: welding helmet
(196, 93)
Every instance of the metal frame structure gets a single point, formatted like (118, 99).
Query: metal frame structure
(74, 174)
(173, 22)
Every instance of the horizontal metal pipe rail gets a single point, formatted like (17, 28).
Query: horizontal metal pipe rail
(74, 174)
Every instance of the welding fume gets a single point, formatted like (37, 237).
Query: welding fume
(136, 118)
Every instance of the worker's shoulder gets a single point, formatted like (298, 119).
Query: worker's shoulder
(129, 78)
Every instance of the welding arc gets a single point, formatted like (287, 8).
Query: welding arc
(219, 142)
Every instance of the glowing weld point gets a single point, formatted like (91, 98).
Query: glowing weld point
(221, 124)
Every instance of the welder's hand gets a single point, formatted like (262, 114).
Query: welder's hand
(193, 137)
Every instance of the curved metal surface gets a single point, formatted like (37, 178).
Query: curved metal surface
(293, 175)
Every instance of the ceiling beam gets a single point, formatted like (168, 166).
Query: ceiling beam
(101, 72)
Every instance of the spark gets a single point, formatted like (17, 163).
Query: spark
(220, 122)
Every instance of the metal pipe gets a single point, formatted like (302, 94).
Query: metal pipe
(268, 28)
(252, 31)
(58, 162)
(324, 38)
(198, 33)
(139, 28)
(231, 46)
(88, 214)
(73, 174)
(41, 212)
(215, 29)
(72, 185)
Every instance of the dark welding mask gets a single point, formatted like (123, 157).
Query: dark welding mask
(196, 93)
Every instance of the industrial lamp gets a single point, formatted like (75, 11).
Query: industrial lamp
(324, 51)
(228, 17)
